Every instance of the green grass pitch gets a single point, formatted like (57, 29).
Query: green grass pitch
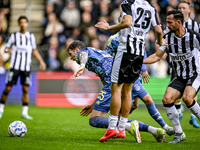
(65, 129)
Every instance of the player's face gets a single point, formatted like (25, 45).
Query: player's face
(172, 23)
(185, 9)
(72, 54)
(23, 24)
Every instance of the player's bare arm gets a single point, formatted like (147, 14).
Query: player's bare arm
(39, 58)
(158, 30)
(83, 57)
(126, 22)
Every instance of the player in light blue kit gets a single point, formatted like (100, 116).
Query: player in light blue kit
(100, 62)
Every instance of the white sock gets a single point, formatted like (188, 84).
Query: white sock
(195, 109)
(122, 123)
(2, 107)
(112, 122)
(173, 116)
(24, 110)
(165, 127)
(128, 126)
(192, 115)
(178, 109)
(152, 130)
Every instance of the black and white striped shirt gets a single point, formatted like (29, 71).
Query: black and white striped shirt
(143, 16)
(22, 46)
(184, 52)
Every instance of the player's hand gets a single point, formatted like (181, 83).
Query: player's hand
(164, 42)
(78, 72)
(103, 25)
(86, 110)
(164, 56)
(145, 77)
(42, 66)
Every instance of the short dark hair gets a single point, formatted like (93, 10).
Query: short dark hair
(22, 17)
(75, 44)
(178, 15)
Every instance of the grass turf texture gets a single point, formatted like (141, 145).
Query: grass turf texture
(65, 129)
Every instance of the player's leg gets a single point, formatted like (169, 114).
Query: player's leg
(4, 97)
(177, 104)
(193, 120)
(11, 78)
(155, 114)
(25, 81)
(126, 105)
(170, 96)
(115, 105)
(188, 96)
(25, 101)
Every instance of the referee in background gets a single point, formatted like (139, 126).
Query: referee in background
(21, 45)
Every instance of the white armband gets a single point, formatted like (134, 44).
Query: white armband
(163, 47)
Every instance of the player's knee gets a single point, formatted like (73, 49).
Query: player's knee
(165, 100)
(187, 100)
(99, 122)
(93, 122)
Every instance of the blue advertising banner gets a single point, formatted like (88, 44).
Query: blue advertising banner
(15, 96)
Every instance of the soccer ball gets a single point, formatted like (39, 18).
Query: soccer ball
(17, 128)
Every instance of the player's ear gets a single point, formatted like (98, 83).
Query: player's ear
(77, 50)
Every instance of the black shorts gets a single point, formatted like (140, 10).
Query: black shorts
(180, 84)
(126, 68)
(13, 75)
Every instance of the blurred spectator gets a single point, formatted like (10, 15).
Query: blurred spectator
(3, 24)
(4, 57)
(5, 10)
(86, 22)
(52, 61)
(63, 55)
(90, 34)
(76, 34)
(95, 43)
(53, 24)
(48, 9)
(70, 15)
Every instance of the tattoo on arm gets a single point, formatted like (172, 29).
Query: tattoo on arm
(83, 57)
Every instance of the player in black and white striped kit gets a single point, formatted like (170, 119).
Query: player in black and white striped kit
(183, 48)
(136, 18)
(184, 7)
(21, 45)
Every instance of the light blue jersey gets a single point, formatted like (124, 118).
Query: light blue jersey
(98, 62)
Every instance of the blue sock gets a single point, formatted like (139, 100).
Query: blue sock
(142, 127)
(99, 122)
(155, 114)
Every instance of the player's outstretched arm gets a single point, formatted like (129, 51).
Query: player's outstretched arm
(83, 57)
(126, 22)
(39, 58)
(85, 111)
(158, 30)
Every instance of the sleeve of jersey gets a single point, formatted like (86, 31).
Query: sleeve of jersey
(154, 19)
(144, 69)
(126, 8)
(33, 42)
(10, 41)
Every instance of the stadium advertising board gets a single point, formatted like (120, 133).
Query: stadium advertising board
(57, 89)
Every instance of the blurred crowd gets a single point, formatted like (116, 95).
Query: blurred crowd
(68, 20)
